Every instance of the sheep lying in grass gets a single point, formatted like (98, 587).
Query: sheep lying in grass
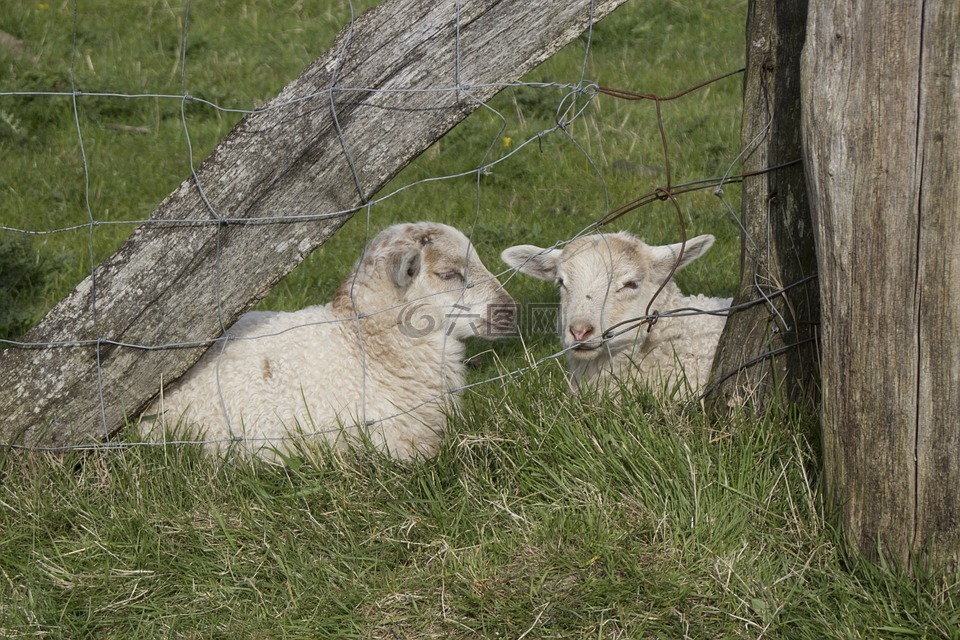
(383, 354)
(605, 282)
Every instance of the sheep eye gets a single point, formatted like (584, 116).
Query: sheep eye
(448, 276)
(631, 284)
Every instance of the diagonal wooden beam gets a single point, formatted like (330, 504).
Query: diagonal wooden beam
(396, 80)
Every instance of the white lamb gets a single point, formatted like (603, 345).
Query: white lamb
(384, 354)
(606, 282)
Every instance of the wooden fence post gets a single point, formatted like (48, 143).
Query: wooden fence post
(768, 352)
(881, 130)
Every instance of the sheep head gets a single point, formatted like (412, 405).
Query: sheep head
(431, 276)
(606, 281)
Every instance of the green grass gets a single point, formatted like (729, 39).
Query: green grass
(543, 516)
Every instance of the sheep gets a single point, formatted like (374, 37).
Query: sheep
(379, 363)
(606, 281)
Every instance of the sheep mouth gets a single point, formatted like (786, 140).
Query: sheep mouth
(585, 350)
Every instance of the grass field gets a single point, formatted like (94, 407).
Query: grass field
(543, 516)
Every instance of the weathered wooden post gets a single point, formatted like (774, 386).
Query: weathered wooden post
(768, 352)
(397, 79)
(881, 132)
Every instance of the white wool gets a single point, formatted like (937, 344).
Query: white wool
(607, 280)
(377, 362)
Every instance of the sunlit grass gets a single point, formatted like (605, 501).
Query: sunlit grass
(542, 514)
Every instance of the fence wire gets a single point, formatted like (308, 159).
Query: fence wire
(577, 98)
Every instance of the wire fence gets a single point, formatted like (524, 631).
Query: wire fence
(577, 98)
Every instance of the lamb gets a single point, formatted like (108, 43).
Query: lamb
(377, 363)
(606, 281)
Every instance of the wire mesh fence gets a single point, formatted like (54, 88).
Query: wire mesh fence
(571, 101)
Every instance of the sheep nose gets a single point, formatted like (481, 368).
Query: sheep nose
(581, 330)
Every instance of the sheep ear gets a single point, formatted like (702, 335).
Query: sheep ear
(404, 267)
(665, 257)
(533, 261)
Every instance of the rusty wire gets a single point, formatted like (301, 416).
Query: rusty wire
(668, 192)
(665, 192)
